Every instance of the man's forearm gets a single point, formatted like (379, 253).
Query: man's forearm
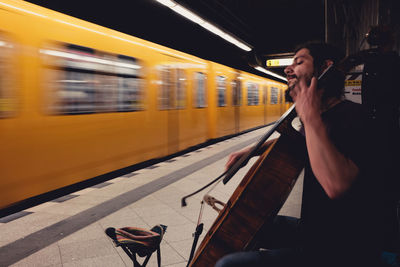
(332, 169)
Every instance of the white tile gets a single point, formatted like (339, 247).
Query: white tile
(168, 256)
(146, 202)
(116, 180)
(154, 210)
(27, 225)
(81, 250)
(176, 233)
(84, 191)
(41, 207)
(90, 232)
(67, 208)
(123, 218)
(88, 199)
(103, 261)
(170, 219)
(184, 247)
(113, 190)
(49, 256)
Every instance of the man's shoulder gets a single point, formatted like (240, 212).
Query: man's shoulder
(350, 105)
(346, 109)
(347, 118)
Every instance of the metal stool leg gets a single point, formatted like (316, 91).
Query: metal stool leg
(132, 255)
(159, 256)
(146, 260)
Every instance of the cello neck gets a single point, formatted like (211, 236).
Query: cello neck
(288, 116)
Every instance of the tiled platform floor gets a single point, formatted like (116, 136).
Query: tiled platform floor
(69, 231)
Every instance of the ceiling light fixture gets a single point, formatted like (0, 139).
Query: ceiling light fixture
(270, 73)
(203, 23)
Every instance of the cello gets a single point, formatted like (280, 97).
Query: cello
(259, 196)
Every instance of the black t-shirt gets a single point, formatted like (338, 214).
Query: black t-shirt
(349, 225)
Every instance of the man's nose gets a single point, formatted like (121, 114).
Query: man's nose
(288, 70)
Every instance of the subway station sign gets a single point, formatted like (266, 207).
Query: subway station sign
(352, 84)
(279, 62)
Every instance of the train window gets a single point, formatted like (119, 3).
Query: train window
(221, 90)
(173, 88)
(274, 95)
(265, 98)
(7, 90)
(105, 93)
(180, 89)
(237, 92)
(166, 99)
(280, 98)
(200, 90)
(130, 95)
(88, 81)
(78, 92)
(252, 94)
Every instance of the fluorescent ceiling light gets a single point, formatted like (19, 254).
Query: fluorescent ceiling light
(270, 73)
(213, 29)
(167, 3)
(196, 19)
(187, 14)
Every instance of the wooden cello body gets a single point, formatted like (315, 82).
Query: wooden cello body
(258, 198)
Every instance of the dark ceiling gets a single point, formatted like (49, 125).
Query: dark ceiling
(268, 26)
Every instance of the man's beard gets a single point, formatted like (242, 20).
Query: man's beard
(288, 97)
(291, 87)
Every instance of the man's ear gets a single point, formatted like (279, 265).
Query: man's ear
(323, 67)
(326, 64)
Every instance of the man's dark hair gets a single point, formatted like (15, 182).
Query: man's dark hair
(320, 52)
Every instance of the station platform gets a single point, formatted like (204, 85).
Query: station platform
(69, 231)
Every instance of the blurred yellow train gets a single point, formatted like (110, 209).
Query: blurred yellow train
(78, 100)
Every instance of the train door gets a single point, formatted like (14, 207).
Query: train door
(236, 101)
(281, 101)
(180, 113)
(265, 102)
(168, 103)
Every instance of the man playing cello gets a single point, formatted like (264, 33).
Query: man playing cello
(341, 220)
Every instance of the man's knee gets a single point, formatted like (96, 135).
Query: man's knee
(225, 261)
(249, 258)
